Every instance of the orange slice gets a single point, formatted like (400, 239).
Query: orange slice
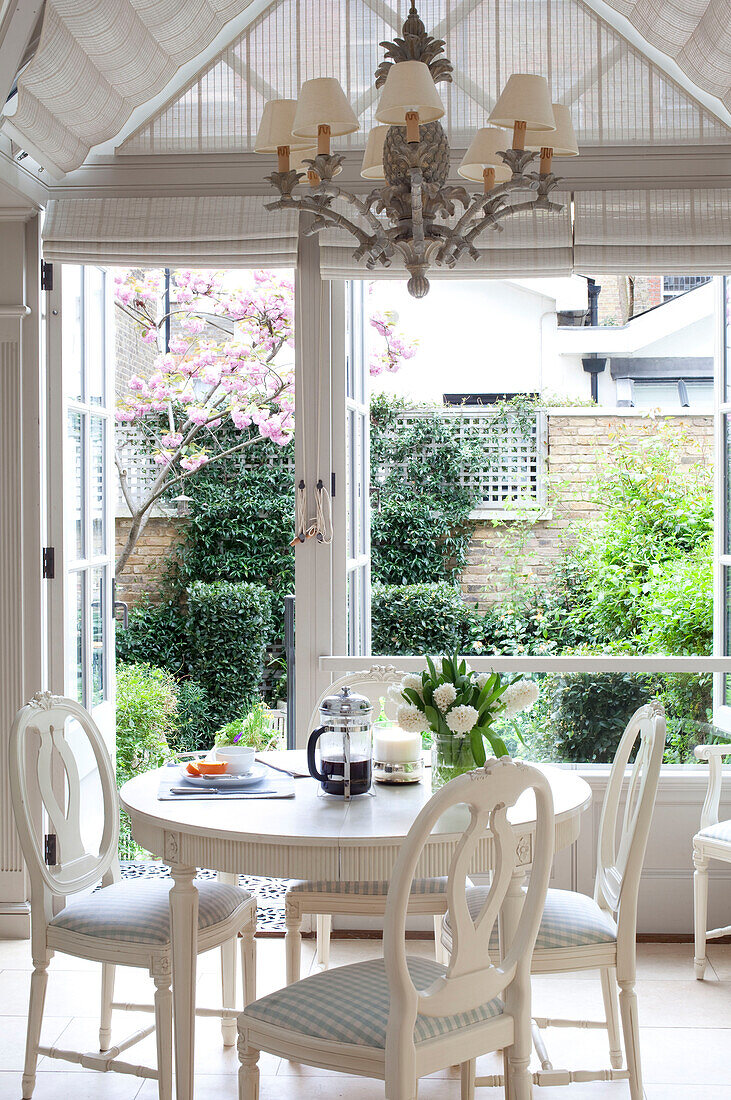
(193, 768)
(212, 767)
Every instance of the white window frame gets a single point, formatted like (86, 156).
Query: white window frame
(722, 527)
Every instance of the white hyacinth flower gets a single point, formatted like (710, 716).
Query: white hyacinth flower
(413, 682)
(462, 719)
(482, 679)
(412, 720)
(444, 696)
(518, 697)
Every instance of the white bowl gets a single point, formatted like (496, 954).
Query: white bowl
(240, 758)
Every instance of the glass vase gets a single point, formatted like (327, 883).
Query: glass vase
(450, 756)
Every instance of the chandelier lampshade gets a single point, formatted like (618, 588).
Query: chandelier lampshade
(483, 153)
(409, 87)
(322, 102)
(275, 128)
(373, 157)
(526, 99)
(563, 141)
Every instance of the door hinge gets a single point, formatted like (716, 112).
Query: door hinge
(49, 563)
(46, 276)
(49, 849)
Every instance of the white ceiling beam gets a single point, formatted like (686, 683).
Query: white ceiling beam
(598, 169)
(16, 31)
(186, 74)
(622, 25)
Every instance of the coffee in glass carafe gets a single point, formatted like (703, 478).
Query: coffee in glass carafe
(344, 743)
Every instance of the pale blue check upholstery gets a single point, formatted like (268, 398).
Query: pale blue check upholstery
(569, 920)
(364, 889)
(350, 1005)
(720, 831)
(139, 912)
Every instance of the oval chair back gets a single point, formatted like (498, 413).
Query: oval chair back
(39, 744)
(622, 843)
(472, 977)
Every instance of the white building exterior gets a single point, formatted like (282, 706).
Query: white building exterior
(503, 337)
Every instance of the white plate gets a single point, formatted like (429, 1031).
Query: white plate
(256, 774)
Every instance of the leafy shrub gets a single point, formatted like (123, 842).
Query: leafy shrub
(419, 619)
(195, 721)
(419, 515)
(255, 730)
(155, 636)
(228, 627)
(587, 713)
(677, 616)
(146, 704)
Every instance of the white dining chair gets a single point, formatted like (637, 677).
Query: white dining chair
(399, 1018)
(124, 923)
(578, 932)
(712, 841)
(324, 899)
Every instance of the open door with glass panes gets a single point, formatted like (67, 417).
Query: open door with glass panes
(81, 492)
(722, 586)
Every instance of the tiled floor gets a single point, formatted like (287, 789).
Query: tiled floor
(686, 1031)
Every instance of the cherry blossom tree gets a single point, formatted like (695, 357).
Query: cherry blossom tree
(225, 361)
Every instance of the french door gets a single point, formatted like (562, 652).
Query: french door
(81, 500)
(355, 412)
(722, 588)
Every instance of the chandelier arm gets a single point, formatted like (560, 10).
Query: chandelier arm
(353, 200)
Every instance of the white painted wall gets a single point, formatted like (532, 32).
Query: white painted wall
(502, 336)
(482, 336)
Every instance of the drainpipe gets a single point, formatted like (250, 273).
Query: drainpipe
(166, 307)
(593, 365)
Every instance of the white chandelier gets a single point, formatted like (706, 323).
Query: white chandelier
(415, 212)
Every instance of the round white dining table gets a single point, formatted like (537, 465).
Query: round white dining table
(306, 837)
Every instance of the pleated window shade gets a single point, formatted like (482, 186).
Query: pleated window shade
(203, 231)
(533, 242)
(678, 231)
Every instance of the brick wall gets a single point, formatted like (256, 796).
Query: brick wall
(613, 301)
(131, 355)
(151, 558)
(576, 444)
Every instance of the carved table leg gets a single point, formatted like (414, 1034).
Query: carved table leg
(228, 973)
(184, 931)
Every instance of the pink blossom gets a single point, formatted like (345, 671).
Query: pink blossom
(172, 439)
(194, 462)
(149, 337)
(197, 414)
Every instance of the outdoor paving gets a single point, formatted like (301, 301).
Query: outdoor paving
(686, 1030)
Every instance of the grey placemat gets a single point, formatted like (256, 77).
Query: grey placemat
(271, 788)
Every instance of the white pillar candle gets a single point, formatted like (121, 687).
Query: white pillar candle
(392, 745)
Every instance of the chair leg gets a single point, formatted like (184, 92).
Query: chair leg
(248, 960)
(292, 942)
(611, 1014)
(248, 1072)
(38, 984)
(467, 1080)
(700, 912)
(631, 1029)
(228, 989)
(164, 1035)
(105, 1025)
(324, 927)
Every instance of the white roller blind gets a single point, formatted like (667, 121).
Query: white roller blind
(531, 243)
(666, 232)
(230, 230)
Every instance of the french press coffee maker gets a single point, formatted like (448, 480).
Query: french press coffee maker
(345, 742)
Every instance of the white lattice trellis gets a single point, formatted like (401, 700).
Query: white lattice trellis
(509, 478)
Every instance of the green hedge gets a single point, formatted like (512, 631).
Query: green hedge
(146, 706)
(156, 635)
(419, 618)
(228, 626)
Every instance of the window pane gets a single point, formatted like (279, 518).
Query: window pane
(71, 332)
(97, 429)
(75, 475)
(75, 640)
(98, 629)
(727, 330)
(652, 394)
(699, 392)
(726, 459)
(95, 333)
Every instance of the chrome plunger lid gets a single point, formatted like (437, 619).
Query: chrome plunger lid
(346, 704)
